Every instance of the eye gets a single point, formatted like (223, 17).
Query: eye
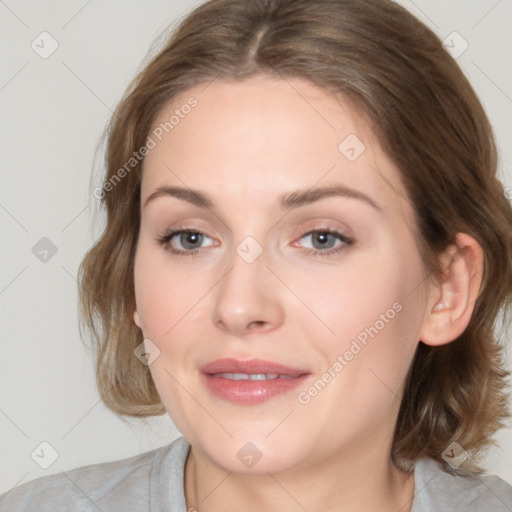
(184, 241)
(324, 242)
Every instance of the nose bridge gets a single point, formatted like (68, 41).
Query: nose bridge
(245, 297)
(248, 265)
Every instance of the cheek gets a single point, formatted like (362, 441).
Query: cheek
(366, 310)
(371, 350)
(165, 293)
(169, 306)
(352, 296)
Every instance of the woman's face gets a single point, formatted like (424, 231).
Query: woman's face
(301, 255)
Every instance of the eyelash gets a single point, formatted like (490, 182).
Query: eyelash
(164, 241)
(346, 243)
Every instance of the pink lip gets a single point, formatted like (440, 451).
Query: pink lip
(251, 366)
(247, 392)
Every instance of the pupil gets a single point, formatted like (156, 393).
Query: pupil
(189, 239)
(323, 238)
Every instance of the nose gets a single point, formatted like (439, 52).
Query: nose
(248, 298)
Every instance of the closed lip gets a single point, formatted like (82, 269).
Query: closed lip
(251, 366)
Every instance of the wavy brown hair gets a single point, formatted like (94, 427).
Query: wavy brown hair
(394, 70)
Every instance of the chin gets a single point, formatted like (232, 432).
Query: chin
(254, 455)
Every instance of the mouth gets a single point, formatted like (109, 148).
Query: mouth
(254, 376)
(250, 382)
(250, 367)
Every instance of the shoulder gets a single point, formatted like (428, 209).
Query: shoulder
(439, 489)
(119, 485)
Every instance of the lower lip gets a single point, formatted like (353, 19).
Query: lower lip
(250, 392)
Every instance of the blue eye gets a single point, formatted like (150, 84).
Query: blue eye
(188, 241)
(322, 240)
(326, 242)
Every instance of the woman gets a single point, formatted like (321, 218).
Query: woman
(305, 255)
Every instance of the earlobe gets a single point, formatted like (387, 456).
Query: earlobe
(136, 319)
(452, 301)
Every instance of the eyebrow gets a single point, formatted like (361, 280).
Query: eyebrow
(288, 201)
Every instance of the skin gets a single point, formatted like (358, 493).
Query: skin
(244, 145)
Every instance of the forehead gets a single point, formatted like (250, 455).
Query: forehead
(262, 137)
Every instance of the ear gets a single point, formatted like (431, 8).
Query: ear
(136, 319)
(451, 302)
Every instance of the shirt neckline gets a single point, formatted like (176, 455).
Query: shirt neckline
(167, 489)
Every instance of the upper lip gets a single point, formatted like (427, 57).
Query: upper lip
(251, 366)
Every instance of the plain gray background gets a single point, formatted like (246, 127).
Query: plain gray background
(54, 110)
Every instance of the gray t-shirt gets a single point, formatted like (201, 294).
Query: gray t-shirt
(153, 482)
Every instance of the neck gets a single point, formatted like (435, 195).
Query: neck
(365, 482)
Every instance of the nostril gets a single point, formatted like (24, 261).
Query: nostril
(257, 323)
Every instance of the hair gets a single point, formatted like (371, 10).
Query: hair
(427, 118)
